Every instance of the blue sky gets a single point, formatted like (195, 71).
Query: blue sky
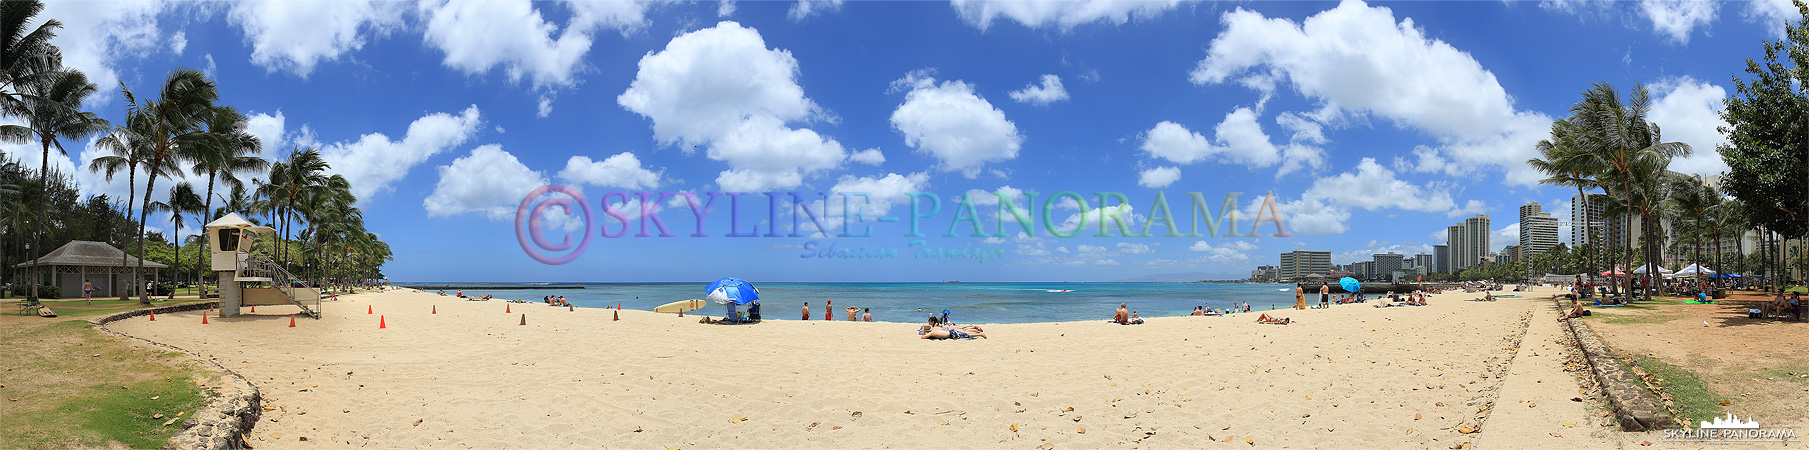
(1374, 124)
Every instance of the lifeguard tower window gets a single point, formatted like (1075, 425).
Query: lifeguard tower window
(229, 240)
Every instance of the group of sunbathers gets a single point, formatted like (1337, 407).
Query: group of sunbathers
(1414, 299)
(939, 329)
(555, 300)
(1126, 317)
(1204, 311)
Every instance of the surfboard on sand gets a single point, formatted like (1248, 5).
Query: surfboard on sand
(685, 305)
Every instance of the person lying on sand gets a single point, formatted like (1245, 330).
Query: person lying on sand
(1267, 319)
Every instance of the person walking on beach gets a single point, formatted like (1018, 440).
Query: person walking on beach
(1325, 295)
(806, 310)
(1299, 298)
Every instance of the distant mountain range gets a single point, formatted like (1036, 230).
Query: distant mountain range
(1186, 276)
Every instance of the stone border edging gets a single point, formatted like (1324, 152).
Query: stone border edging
(1634, 407)
(223, 422)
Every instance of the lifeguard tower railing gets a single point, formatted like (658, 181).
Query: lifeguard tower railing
(261, 269)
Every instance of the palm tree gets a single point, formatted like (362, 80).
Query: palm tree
(1560, 161)
(168, 126)
(25, 52)
(238, 201)
(1624, 147)
(227, 149)
(1693, 198)
(51, 104)
(303, 172)
(124, 154)
(183, 199)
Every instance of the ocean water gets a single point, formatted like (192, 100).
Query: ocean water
(913, 302)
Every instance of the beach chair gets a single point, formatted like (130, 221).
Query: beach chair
(29, 305)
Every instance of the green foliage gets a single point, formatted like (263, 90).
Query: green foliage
(1495, 272)
(1767, 117)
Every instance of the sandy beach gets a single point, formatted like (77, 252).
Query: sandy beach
(1352, 376)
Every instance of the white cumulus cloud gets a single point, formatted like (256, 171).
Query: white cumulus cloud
(1688, 111)
(1159, 177)
(721, 87)
(1239, 139)
(1050, 91)
(480, 35)
(1062, 14)
(1356, 60)
(296, 36)
(489, 182)
(1677, 19)
(622, 170)
(953, 124)
(374, 161)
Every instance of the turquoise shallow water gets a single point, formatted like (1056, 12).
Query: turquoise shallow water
(912, 302)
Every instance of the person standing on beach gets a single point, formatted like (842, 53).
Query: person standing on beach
(1299, 298)
(88, 291)
(1325, 295)
(806, 310)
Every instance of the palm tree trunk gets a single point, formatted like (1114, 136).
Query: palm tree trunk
(1628, 230)
(207, 213)
(37, 237)
(150, 185)
(131, 192)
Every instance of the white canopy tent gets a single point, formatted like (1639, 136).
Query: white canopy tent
(1694, 270)
(1642, 269)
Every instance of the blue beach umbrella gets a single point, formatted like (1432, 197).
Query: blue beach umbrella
(732, 290)
(1350, 284)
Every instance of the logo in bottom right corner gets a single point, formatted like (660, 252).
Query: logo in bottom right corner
(1731, 428)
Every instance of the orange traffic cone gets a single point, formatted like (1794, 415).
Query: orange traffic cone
(153, 315)
(254, 308)
(204, 318)
(681, 313)
(505, 309)
(618, 314)
(524, 319)
(368, 309)
(381, 324)
(436, 309)
(291, 321)
(618, 306)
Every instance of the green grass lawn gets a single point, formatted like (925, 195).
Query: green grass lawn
(66, 385)
(1688, 397)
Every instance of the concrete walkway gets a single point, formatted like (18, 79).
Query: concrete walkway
(1534, 407)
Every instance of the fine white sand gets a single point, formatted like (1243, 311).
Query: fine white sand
(1351, 376)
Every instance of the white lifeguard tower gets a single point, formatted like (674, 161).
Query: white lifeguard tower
(250, 279)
